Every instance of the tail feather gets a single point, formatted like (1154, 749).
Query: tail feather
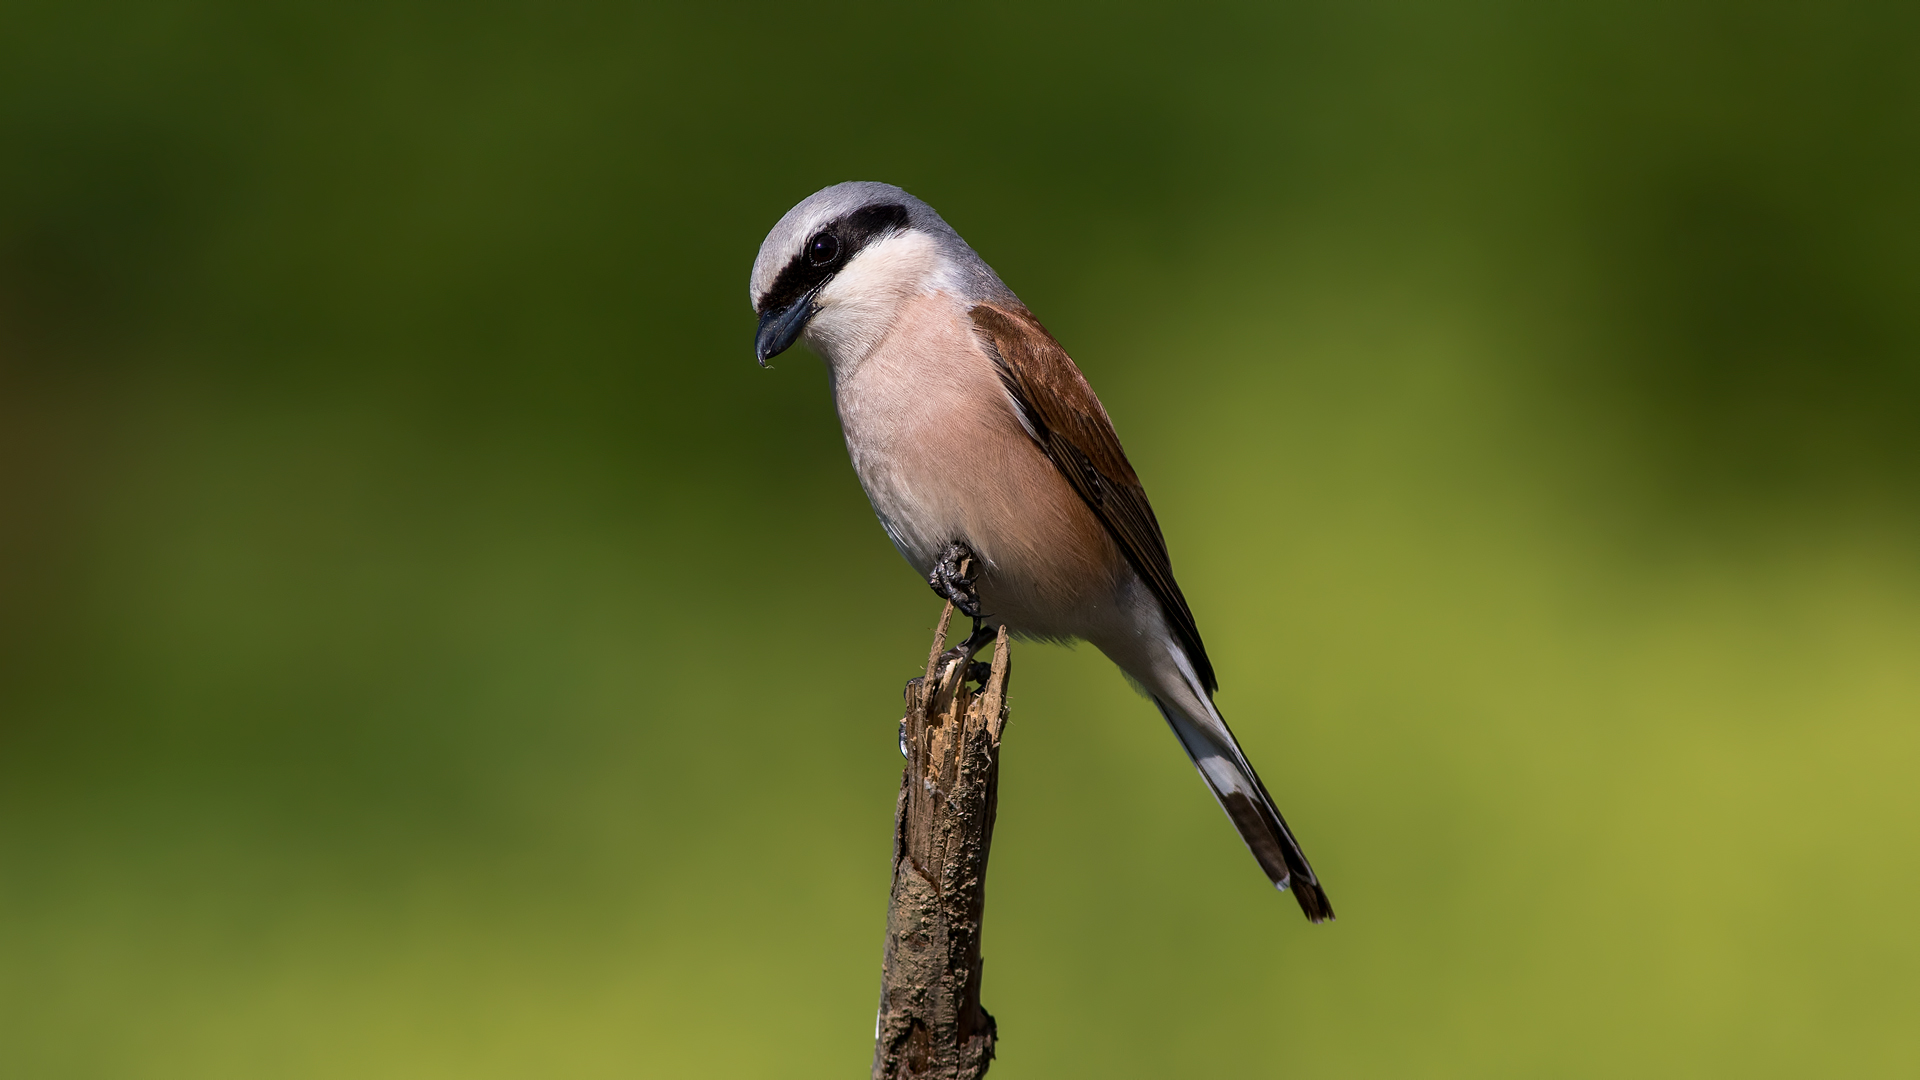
(1217, 755)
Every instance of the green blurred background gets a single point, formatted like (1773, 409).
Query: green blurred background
(430, 646)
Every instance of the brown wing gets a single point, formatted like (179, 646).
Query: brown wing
(1065, 418)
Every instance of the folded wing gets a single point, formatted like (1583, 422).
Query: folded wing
(1062, 414)
(1065, 418)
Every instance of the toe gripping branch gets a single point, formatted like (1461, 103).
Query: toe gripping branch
(952, 579)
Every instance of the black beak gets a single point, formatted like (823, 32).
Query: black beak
(780, 329)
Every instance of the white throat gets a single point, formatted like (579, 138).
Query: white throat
(861, 303)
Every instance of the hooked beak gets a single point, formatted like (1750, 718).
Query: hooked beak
(780, 329)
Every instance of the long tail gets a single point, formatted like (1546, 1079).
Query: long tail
(1211, 745)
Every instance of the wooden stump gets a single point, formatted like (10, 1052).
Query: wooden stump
(931, 1023)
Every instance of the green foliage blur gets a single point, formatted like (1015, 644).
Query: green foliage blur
(430, 646)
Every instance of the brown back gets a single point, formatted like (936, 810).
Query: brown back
(1067, 420)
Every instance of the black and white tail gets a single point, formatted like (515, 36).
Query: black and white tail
(1211, 745)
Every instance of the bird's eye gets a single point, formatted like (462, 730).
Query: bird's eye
(823, 249)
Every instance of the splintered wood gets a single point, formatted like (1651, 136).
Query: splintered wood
(931, 1023)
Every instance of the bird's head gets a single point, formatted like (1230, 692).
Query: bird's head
(837, 268)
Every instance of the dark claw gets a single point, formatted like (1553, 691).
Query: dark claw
(950, 584)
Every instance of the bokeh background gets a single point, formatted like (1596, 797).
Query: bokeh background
(430, 646)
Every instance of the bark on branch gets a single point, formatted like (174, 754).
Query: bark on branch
(931, 1023)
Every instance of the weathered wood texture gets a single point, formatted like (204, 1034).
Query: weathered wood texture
(931, 1023)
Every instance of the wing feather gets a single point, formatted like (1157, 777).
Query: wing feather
(1062, 414)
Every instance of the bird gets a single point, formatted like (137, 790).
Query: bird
(994, 468)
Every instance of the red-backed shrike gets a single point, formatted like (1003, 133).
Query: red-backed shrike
(972, 431)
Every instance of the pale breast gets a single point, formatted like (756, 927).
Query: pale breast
(942, 456)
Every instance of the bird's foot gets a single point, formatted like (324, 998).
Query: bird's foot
(951, 581)
(982, 636)
(976, 671)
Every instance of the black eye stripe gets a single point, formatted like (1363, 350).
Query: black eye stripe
(850, 234)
